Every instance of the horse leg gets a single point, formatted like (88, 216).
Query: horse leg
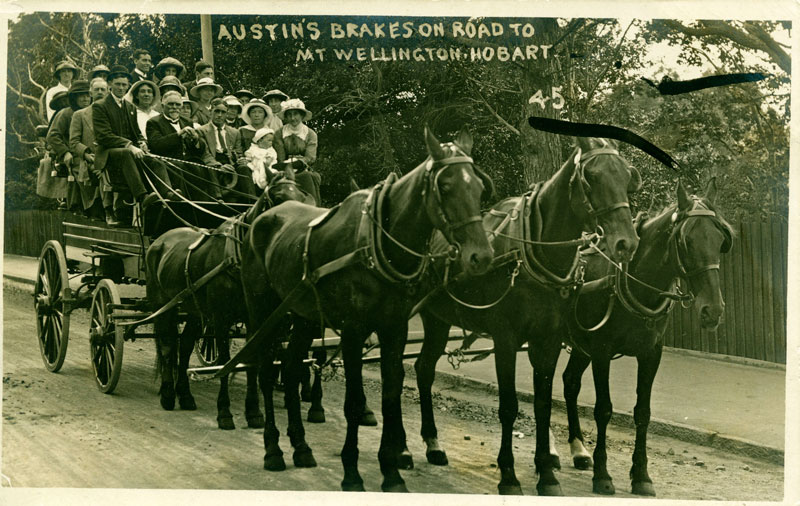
(601, 480)
(305, 385)
(352, 344)
(252, 409)
(578, 362)
(433, 345)
(224, 415)
(273, 456)
(186, 341)
(393, 436)
(316, 413)
(505, 364)
(641, 484)
(165, 329)
(543, 358)
(302, 336)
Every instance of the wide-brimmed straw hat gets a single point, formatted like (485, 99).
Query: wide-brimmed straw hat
(244, 95)
(169, 61)
(295, 104)
(275, 93)
(256, 102)
(65, 65)
(232, 101)
(171, 82)
(99, 69)
(79, 86)
(59, 101)
(205, 82)
(131, 95)
(118, 71)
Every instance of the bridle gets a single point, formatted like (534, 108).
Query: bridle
(434, 169)
(580, 185)
(677, 242)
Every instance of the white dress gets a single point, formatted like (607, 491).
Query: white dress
(260, 160)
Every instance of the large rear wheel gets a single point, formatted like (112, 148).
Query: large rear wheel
(51, 298)
(106, 339)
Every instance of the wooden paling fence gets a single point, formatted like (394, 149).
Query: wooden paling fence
(753, 277)
(753, 283)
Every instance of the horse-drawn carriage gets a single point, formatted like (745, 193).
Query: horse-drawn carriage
(99, 259)
(418, 243)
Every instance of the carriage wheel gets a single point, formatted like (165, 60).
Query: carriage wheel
(51, 294)
(207, 347)
(106, 340)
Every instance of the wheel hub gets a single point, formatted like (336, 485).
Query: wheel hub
(43, 302)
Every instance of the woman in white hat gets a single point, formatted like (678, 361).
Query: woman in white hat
(205, 90)
(256, 114)
(145, 95)
(297, 143)
(234, 118)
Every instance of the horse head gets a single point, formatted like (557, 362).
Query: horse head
(598, 188)
(281, 186)
(453, 196)
(698, 238)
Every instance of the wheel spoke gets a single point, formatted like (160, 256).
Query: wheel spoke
(109, 364)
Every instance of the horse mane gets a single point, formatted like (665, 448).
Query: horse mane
(256, 208)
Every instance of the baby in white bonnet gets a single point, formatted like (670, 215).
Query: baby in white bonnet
(261, 156)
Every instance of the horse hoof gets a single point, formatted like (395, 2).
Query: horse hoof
(405, 460)
(255, 422)
(187, 403)
(509, 489)
(168, 403)
(583, 462)
(316, 416)
(304, 458)
(357, 486)
(399, 488)
(555, 461)
(643, 488)
(549, 489)
(368, 419)
(437, 457)
(226, 423)
(274, 463)
(603, 486)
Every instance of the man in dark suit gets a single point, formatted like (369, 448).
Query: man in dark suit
(222, 146)
(121, 148)
(142, 66)
(170, 135)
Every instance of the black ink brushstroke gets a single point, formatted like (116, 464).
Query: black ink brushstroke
(605, 131)
(669, 87)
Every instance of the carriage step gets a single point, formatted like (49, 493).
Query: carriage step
(129, 316)
(213, 369)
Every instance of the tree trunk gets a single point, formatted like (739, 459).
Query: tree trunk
(541, 151)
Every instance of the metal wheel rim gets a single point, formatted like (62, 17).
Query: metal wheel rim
(52, 323)
(105, 354)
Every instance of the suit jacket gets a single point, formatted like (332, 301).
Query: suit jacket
(107, 121)
(208, 133)
(81, 141)
(162, 139)
(136, 77)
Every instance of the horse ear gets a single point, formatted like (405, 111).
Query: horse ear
(636, 181)
(433, 144)
(684, 202)
(353, 185)
(711, 190)
(464, 141)
(585, 143)
(288, 171)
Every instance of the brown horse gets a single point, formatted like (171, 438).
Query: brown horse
(180, 257)
(378, 242)
(683, 243)
(524, 297)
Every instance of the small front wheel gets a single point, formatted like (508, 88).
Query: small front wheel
(106, 339)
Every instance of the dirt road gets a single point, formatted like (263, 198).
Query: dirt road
(60, 431)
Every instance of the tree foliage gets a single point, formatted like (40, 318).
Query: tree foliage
(369, 114)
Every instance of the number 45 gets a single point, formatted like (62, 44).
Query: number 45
(555, 95)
